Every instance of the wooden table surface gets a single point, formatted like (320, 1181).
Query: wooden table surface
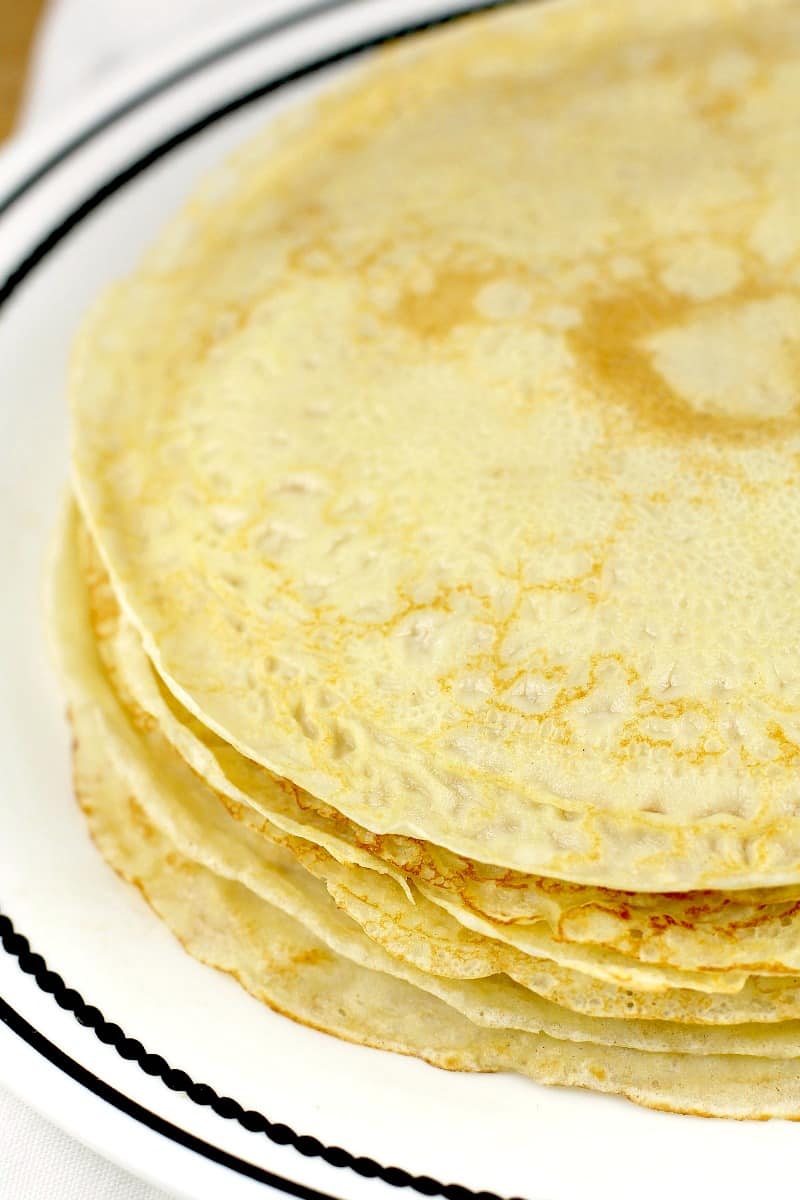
(17, 24)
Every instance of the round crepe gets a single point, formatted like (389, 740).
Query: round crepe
(474, 955)
(277, 959)
(443, 451)
(756, 931)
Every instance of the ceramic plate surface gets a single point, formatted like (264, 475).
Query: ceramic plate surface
(106, 1025)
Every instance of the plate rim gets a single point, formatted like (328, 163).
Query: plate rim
(214, 48)
(14, 944)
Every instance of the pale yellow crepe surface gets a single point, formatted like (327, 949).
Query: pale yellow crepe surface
(445, 453)
(707, 931)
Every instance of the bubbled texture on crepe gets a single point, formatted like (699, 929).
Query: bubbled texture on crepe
(448, 472)
(419, 933)
(467, 955)
(194, 884)
(756, 930)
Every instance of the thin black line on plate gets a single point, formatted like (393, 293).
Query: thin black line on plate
(15, 944)
(240, 42)
(187, 132)
(163, 84)
(47, 1049)
(132, 1050)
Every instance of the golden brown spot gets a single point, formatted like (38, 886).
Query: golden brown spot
(142, 720)
(788, 751)
(139, 819)
(554, 721)
(449, 302)
(583, 583)
(617, 367)
(708, 745)
(719, 107)
(310, 958)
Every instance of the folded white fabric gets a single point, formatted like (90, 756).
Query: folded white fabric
(39, 1162)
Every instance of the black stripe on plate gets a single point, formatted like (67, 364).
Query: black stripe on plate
(161, 149)
(163, 84)
(155, 1065)
(47, 1049)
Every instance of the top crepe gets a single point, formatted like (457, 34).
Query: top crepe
(444, 450)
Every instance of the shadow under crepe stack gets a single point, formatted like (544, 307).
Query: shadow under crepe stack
(428, 605)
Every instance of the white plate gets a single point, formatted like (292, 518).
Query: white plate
(143, 1082)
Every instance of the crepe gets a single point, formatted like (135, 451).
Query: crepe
(428, 479)
(757, 931)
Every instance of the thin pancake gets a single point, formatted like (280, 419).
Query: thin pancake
(755, 931)
(279, 961)
(447, 473)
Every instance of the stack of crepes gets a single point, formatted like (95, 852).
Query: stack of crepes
(429, 609)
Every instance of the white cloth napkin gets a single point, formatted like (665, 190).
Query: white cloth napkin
(79, 43)
(39, 1162)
